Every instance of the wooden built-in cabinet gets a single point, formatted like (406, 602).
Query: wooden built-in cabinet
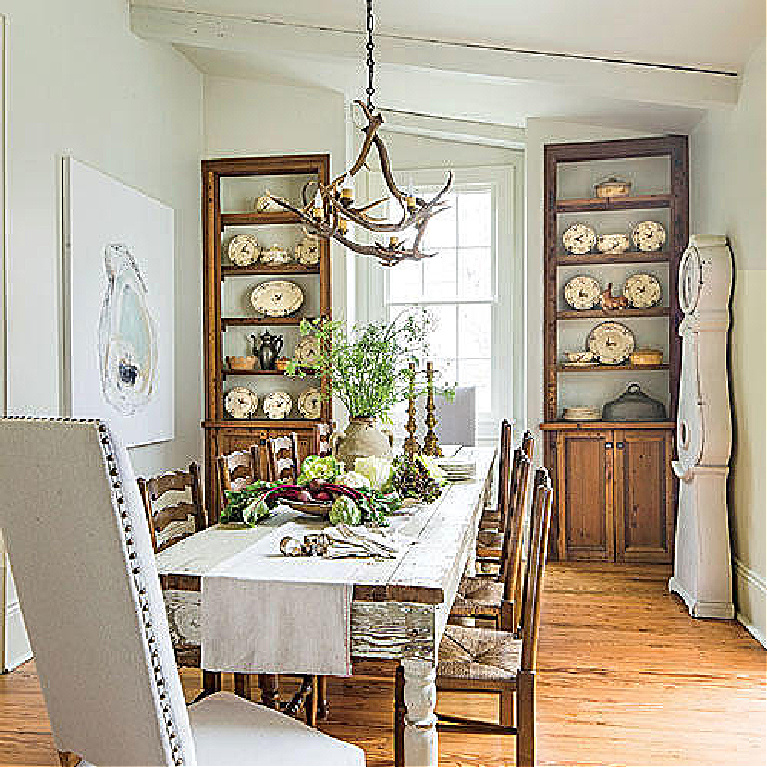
(615, 491)
(230, 188)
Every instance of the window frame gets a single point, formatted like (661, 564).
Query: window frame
(507, 294)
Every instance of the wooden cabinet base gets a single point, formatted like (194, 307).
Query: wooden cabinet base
(615, 494)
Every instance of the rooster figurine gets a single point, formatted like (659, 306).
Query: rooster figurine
(608, 301)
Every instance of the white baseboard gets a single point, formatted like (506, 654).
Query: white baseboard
(750, 582)
(17, 649)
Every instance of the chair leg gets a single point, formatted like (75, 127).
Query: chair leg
(68, 759)
(242, 685)
(211, 682)
(526, 719)
(311, 703)
(506, 712)
(399, 718)
(322, 697)
(270, 693)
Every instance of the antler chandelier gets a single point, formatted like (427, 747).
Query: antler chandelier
(333, 207)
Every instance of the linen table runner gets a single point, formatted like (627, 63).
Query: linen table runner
(262, 612)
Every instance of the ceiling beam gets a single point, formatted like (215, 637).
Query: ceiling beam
(626, 81)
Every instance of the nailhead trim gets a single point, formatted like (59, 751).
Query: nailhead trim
(149, 637)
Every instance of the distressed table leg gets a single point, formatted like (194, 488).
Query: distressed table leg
(420, 737)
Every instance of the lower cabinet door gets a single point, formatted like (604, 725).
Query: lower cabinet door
(585, 495)
(644, 496)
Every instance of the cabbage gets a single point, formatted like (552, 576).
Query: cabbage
(345, 512)
(432, 467)
(320, 469)
(353, 479)
(375, 468)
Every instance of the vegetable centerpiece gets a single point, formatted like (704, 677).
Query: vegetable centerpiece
(350, 497)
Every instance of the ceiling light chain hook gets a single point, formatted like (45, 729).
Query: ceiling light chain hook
(370, 47)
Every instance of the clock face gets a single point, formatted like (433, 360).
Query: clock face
(582, 292)
(579, 239)
(243, 250)
(689, 280)
(642, 291)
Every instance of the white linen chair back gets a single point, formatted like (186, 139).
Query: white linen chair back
(89, 591)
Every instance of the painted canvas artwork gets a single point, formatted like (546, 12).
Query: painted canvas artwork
(120, 308)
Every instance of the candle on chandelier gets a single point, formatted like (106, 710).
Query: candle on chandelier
(347, 189)
(410, 202)
(318, 207)
(393, 241)
(343, 225)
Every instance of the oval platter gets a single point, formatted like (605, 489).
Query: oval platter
(611, 342)
(277, 298)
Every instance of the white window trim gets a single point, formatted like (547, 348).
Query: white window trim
(507, 180)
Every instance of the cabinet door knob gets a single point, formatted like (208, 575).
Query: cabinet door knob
(608, 445)
(619, 445)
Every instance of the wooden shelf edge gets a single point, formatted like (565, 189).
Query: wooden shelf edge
(251, 271)
(605, 259)
(597, 425)
(585, 314)
(225, 371)
(610, 368)
(259, 219)
(636, 202)
(234, 321)
(264, 423)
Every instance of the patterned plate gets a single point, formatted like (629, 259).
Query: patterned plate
(648, 236)
(310, 403)
(243, 250)
(642, 290)
(612, 342)
(579, 239)
(306, 352)
(582, 292)
(240, 402)
(277, 298)
(278, 404)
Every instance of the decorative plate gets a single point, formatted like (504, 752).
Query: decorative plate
(278, 404)
(648, 236)
(277, 298)
(582, 292)
(579, 239)
(613, 244)
(642, 290)
(612, 342)
(308, 250)
(240, 402)
(276, 255)
(306, 352)
(243, 250)
(310, 403)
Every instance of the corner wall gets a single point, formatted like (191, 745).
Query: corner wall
(728, 197)
(80, 83)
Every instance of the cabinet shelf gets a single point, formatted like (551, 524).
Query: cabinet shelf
(263, 423)
(247, 321)
(259, 219)
(609, 368)
(586, 204)
(266, 269)
(605, 259)
(225, 371)
(585, 314)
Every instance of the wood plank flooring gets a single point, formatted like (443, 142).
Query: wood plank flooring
(625, 677)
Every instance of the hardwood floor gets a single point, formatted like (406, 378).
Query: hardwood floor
(625, 677)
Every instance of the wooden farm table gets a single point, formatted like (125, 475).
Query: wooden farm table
(398, 615)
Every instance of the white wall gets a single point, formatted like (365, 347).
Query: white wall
(259, 117)
(80, 82)
(728, 197)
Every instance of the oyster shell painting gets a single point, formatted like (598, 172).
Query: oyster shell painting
(127, 335)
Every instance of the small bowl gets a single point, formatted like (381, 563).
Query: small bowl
(641, 357)
(612, 244)
(580, 357)
(241, 363)
(281, 364)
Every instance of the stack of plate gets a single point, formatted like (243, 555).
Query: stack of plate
(581, 414)
(456, 469)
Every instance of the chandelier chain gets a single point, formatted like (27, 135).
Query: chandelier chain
(370, 90)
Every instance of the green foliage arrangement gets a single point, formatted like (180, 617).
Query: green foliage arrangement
(367, 369)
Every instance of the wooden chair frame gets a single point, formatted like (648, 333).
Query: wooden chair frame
(517, 695)
(278, 463)
(230, 476)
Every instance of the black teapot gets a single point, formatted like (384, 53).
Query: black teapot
(267, 348)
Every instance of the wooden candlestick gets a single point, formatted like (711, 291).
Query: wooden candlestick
(410, 446)
(430, 443)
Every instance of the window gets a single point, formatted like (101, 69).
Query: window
(470, 286)
(457, 287)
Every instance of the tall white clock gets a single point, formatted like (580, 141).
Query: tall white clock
(702, 560)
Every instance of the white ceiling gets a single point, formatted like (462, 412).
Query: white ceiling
(689, 33)
(707, 33)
